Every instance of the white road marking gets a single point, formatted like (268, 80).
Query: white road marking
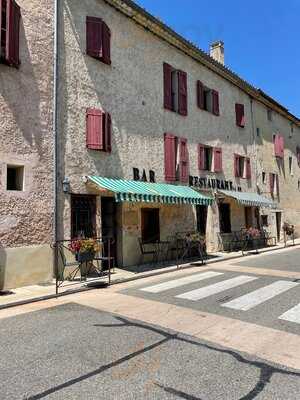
(181, 281)
(216, 288)
(259, 296)
(292, 315)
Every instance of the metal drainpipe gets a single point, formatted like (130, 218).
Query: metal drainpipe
(55, 136)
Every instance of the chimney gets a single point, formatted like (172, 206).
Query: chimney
(217, 51)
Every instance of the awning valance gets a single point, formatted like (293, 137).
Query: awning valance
(136, 191)
(249, 199)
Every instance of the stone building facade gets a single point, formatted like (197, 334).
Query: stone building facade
(123, 82)
(26, 144)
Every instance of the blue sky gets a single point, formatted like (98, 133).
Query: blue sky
(261, 38)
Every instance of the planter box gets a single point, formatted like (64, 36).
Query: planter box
(84, 257)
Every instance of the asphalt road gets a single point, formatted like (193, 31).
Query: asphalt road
(72, 351)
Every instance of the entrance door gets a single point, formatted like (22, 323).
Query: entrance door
(248, 217)
(201, 218)
(108, 223)
(225, 221)
(278, 225)
(150, 225)
(83, 216)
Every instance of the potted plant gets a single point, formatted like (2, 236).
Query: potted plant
(288, 229)
(84, 249)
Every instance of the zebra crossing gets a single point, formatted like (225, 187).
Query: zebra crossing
(243, 303)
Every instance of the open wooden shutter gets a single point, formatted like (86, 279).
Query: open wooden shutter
(94, 43)
(217, 159)
(107, 130)
(168, 86)
(183, 160)
(281, 146)
(236, 166)
(170, 157)
(13, 15)
(215, 102)
(95, 129)
(271, 178)
(106, 35)
(201, 157)
(182, 93)
(298, 155)
(200, 95)
(240, 115)
(248, 168)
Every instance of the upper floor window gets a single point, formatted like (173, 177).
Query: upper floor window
(278, 145)
(209, 158)
(242, 167)
(207, 99)
(98, 130)
(269, 114)
(175, 90)
(9, 32)
(98, 39)
(291, 130)
(240, 115)
(176, 158)
(291, 165)
(274, 185)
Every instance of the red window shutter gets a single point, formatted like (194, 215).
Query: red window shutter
(201, 159)
(279, 146)
(240, 115)
(94, 129)
(215, 102)
(13, 15)
(182, 93)
(248, 168)
(170, 157)
(106, 35)
(94, 35)
(183, 160)
(217, 159)
(200, 95)
(271, 177)
(107, 130)
(168, 86)
(236, 166)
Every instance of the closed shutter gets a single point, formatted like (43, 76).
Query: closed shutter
(106, 43)
(200, 95)
(170, 157)
(201, 157)
(13, 15)
(94, 44)
(182, 93)
(184, 160)
(94, 129)
(236, 162)
(168, 86)
(281, 146)
(240, 115)
(215, 102)
(107, 130)
(248, 168)
(217, 159)
(271, 177)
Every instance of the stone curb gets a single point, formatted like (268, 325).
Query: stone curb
(133, 278)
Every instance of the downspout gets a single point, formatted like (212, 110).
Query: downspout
(55, 135)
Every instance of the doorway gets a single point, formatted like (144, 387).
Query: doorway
(248, 217)
(278, 225)
(225, 220)
(83, 216)
(108, 226)
(150, 225)
(201, 219)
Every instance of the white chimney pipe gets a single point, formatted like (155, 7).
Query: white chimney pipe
(217, 51)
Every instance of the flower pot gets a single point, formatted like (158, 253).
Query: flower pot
(84, 257)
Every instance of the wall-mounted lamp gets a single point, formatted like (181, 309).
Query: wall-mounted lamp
(66, 185)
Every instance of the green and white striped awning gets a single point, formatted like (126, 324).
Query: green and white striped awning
(136, 191)
(249, 199)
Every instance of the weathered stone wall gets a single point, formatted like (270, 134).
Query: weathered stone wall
(26, 137)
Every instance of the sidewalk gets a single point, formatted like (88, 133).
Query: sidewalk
(45, 291)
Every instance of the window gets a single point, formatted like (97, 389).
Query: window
(274, 185)
(291, 165)
(278, 145)
(257, 132)
(15, 178)
(175, 90)
(263, 177)
(201, 218)
(9, 32)
(269, 114)
(209, 158)
(264, 220)
(150, 225)
(207, 99)
(98, 130)
(291, 130)
(176, 158)
(98, 37)
(242, 167)
(240, 115)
